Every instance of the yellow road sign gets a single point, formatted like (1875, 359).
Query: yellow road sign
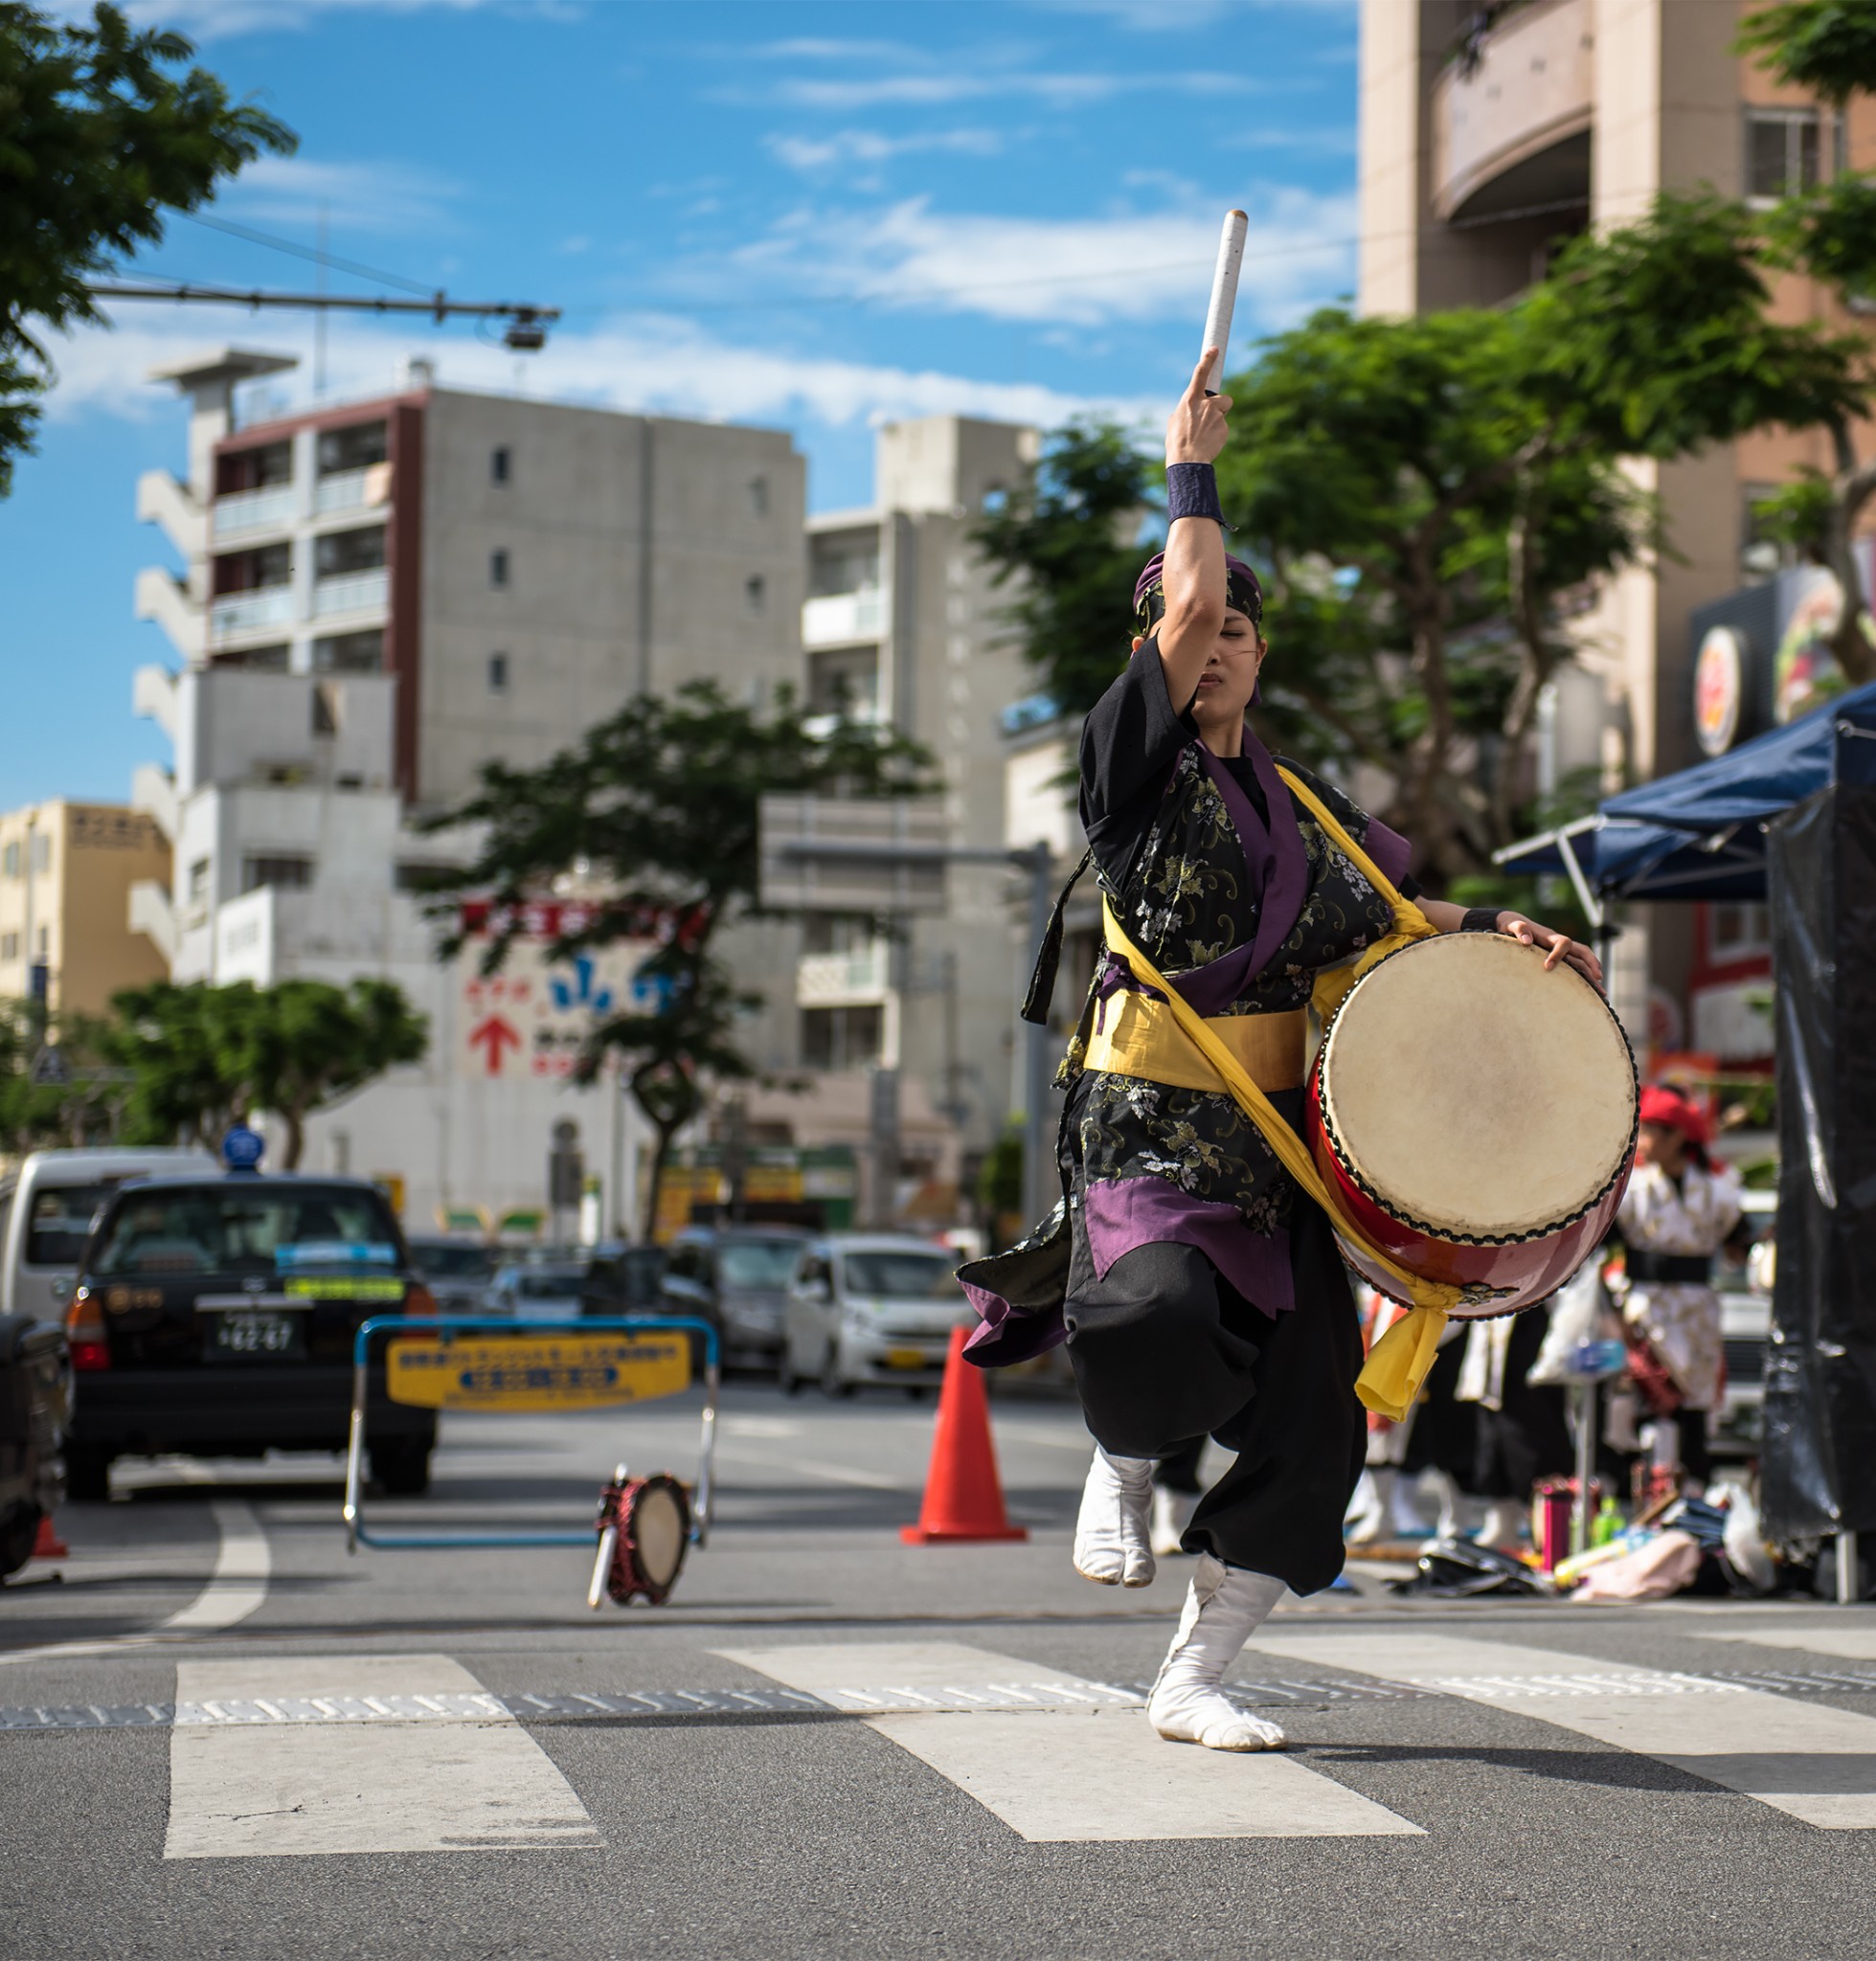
(537, 1372)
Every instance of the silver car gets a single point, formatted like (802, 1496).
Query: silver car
(871, 1308)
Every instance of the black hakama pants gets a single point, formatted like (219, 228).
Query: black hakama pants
(1166, 1351)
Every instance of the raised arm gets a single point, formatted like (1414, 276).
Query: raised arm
(1194, 576)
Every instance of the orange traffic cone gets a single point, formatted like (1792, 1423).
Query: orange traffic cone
(48, 1545)
(963, 1496)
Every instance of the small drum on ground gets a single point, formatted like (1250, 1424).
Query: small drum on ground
(1476, 1116)
(645, 1531)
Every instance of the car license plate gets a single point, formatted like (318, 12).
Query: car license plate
(256, 1333)
(908, 1357)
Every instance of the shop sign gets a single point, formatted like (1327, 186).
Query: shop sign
(1719, 689)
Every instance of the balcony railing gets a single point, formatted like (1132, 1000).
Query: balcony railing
(241, 613)
(837, 619)
(360, 489)
(853, 979)
(254, 511)
(352, 592)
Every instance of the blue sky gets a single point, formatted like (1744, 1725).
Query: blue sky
(814, 216)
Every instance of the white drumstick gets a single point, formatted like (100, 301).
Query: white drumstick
(1224, 296)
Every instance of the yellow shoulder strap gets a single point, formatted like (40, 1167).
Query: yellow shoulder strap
(1390, 1381)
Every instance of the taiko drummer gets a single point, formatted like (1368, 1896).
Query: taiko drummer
(1199, 1290)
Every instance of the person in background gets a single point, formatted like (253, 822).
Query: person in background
(1523, 1429)
(1681, 1209)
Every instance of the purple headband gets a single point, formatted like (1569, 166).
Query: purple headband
(1242, 592)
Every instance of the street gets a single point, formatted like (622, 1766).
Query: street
(833, 1744)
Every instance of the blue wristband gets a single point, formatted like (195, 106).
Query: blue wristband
(1192, 491)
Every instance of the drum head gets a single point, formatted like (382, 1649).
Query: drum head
(1472, 1093)
(654, 1533)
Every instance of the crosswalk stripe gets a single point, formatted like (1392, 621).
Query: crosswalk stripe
(1854, 1640)
(1089, 1773)
(1804, 1758)
(437, 1785)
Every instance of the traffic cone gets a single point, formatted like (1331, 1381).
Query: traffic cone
(48, 1545)
(963, 1496)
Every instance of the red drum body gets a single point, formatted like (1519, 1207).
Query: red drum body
(1476, 1118)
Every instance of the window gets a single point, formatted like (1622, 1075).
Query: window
(350, 653)
(498, 673)
(356, 448)
(243, 1227)
(199, 882)
(339, 553)
(901, 1276)
(8, 946)
(1736, 932)
(758, 496)
(286, 871)
(1781, 152)
(327, 697)
(59, 1222)
(754, 589)
(498, 567)
(418, 875)
(42, 852)
(498, 465)
(839, 1037)
(9, 860)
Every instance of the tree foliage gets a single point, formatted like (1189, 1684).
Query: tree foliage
(1827, 47)
(1068, 538)
(99, 139)
(658, 809)
(200, 1058)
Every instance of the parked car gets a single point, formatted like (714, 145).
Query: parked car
(214, 1315)
(537, 1290)
(47, 1208)
(1746, 1329)
(624, 1279)
(736, 1277)
(871, 1308)
(457, 1271)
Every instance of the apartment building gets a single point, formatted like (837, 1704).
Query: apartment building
(1490, 134)
(67, 871)
(375, 598)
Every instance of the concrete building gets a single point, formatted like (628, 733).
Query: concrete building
(375, 598)
(1490, 135)
(67, 871)
(902, 625)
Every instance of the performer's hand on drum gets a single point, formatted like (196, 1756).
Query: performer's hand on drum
(1558, 946)
(1196, 429)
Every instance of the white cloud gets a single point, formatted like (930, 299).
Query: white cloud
(847, 148)
(1080, 271)
(667, 366)
(378, 196)
(939, 87)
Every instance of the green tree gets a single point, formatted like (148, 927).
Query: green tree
(1828, 233)
(84, 1108)
(99, 139)
(200, 1058)
(1068, 537)
(658, 808)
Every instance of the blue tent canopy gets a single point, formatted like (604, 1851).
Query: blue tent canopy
(1699, 834)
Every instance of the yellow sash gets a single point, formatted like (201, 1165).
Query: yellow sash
(1397, 1365)
(1138, 1036)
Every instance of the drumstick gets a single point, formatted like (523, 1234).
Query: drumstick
(1224, 295)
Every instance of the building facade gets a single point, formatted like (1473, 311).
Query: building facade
(1488, 136)
(67, 871)
(374, 600)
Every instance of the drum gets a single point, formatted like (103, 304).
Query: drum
(645, 1531)
(1476, 1118)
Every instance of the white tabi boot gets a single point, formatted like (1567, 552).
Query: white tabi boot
(1172, 1512)
(1112, 1543)
(1224, 1608)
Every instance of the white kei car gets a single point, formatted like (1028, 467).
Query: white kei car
(870, 1308)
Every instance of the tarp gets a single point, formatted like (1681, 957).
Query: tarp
(1819, 1466)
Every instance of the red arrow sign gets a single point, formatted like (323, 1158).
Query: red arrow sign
(495, 1034)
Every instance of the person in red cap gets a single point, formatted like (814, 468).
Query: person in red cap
(1678, 1212)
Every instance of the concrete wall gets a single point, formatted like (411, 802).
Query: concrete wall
(632, 544)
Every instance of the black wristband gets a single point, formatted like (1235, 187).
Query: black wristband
(1480, 920)
(1192, 491)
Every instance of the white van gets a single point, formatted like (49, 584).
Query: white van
(46, 1210)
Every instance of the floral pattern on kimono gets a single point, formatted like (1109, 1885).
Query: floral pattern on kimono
(1680, 1319)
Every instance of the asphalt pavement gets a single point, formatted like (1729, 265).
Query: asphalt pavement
(221, 1736)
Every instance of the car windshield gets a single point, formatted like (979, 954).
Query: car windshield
(60, 1220)
(450, 1262)
(549, 1283)
(246, 1225)
(746, 1264)
(901, 1276)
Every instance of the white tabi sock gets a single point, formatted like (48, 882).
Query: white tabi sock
(1172, 1512)
(1112, 1543)
(1224, 1608)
